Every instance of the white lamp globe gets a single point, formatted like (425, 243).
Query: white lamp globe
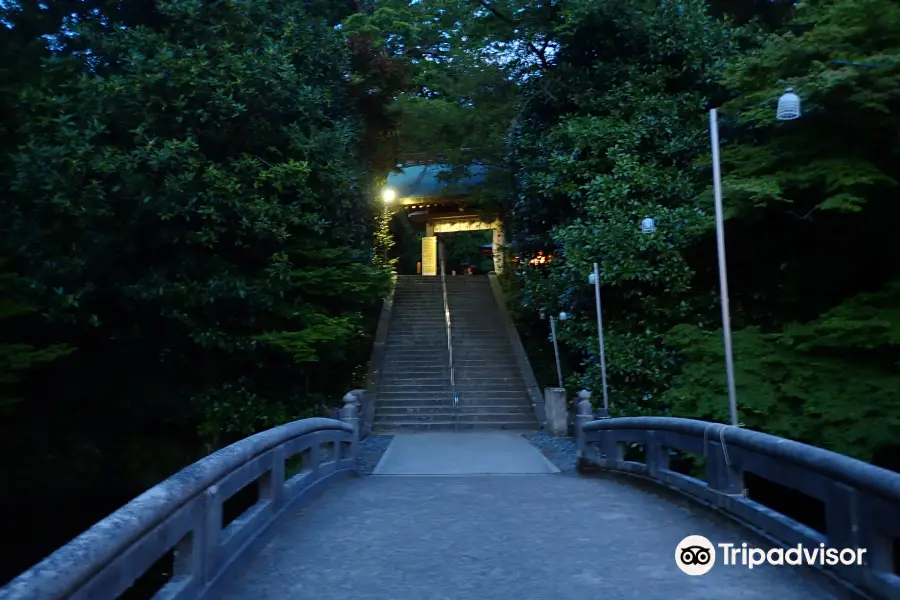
(788, 106)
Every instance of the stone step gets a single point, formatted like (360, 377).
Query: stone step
(505, 375)
(414, 373)
(494, 409)
(461, 380)
(417, 343)
(407, 377)
(462, 417)
(420, 320)
(401, 359)
(475, 396)
(421, 386)
(494, 361)
(490, 347)
(393, 403)
(431, 395)
(480, 335)
(452, 425)
(468, 386)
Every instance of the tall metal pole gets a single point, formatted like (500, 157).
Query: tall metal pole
(556, 350)
(723, 273)
(600, 336)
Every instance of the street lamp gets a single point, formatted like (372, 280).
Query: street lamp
(594, 279)
(788, 110)
(388, 195)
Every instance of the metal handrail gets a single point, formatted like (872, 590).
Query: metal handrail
(449, 345)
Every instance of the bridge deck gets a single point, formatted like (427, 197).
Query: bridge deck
(484, 537)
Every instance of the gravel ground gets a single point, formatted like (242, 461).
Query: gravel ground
(370, 451)
(561, 451)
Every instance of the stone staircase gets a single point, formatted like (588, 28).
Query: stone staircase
(414, 391)
(491, 390)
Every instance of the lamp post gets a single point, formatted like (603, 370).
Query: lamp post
(562, 317)
(594, 279)
(788, 109)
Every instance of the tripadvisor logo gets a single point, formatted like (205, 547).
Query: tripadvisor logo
(696, 555)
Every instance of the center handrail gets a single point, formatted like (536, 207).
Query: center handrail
(449, 345)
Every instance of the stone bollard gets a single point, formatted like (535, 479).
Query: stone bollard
(584, 413)
(362, 408)
(555, 411)
(350, 416)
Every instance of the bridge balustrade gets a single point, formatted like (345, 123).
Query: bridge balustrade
(184, 513)
(861, 501)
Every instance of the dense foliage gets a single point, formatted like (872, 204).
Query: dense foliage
(189, 231)
(808, 207)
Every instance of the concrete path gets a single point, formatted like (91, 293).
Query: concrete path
(502, 537)
(462, 453)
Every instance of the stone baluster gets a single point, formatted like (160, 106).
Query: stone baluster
(584, 413)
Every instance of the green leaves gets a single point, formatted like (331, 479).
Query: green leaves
(830, 382)
(199, 191)
(619, 148)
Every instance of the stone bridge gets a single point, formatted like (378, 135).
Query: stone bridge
(499, 522)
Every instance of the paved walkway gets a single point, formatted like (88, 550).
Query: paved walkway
(462, 453)
(498, 537)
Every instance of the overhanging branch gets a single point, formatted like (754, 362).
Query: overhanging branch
(540, 53)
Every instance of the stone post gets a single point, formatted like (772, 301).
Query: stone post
(362, 412)
(350, 416)
(584, 413)
(555, 411)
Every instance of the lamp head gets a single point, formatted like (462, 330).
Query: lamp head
(788, 106)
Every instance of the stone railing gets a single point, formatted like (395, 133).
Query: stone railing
(184, 513)
(861, 501)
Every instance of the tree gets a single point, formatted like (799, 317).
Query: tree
(616, 143)
(186, 202)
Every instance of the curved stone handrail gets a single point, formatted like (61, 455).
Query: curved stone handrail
(184, 513)
(861, 501)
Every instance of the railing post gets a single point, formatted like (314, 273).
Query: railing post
(350, 416)
(656, 456)
(212, 530)
(721, 476)
(584, 413)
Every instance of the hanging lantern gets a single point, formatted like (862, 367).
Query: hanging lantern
(648, 225)
(563, 316)
(592, 278)
(543, 315)
(788, 106)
